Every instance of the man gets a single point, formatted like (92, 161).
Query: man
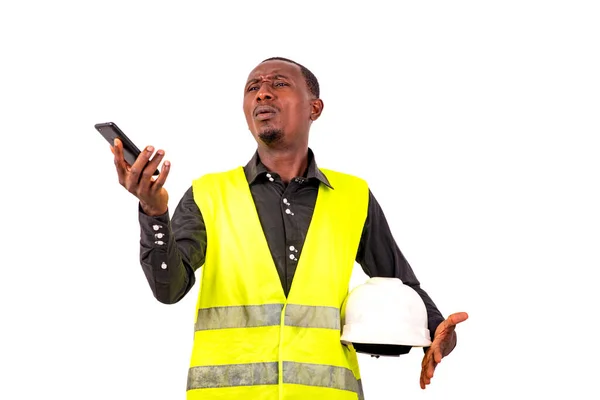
(277, 240)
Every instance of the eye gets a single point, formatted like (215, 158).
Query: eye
(280, 84)
(252, 88)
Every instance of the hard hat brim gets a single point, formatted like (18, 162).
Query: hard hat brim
(404, 337)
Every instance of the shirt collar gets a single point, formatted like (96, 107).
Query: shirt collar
(256, 168)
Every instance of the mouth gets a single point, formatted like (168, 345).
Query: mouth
(264, 112)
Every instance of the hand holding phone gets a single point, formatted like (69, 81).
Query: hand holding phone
(137, 170)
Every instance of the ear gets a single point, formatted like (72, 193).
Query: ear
(316, 108)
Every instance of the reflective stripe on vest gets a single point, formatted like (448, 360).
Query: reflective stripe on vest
(215, 376)
(267, 315)
(218, 376)
(238, 316)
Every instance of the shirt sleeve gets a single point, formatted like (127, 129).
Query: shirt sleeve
(172, 249)
(379, 256)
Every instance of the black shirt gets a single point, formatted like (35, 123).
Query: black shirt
(171, 250)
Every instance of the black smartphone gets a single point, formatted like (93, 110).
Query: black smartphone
(110, 131)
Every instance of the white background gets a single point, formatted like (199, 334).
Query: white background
(476, 124)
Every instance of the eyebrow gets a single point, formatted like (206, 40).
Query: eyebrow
(255, 80)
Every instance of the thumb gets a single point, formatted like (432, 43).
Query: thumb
(457, 318)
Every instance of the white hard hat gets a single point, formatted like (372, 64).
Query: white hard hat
(385, 312)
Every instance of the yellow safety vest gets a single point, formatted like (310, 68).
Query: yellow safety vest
(250, 341)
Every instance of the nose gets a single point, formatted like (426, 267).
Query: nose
(264, 92)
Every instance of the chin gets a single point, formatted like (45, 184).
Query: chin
(270, 135)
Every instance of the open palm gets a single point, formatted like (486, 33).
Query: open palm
(443, 343)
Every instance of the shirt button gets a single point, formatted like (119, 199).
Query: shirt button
(163, 266)
(292, 257)
(156, 227)
(292, 248)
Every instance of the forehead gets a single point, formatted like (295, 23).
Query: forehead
(276, 67)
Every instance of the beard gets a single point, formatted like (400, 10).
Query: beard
(270, 136)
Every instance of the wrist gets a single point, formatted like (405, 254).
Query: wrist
(152, 211)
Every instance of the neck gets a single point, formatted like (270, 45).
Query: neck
(287, 163)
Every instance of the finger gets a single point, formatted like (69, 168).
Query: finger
(135, 172)
(430, 370)
(162, 177)
(430, 364)
(427, 373)
(120, 163)
(457, 318)
(427, 369)
(426, 358)
(423, 372)
(437, 355)
(146, 180)
(424, 364)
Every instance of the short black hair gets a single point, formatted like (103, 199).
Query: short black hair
(311, 80)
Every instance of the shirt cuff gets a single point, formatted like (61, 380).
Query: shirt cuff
(155, 232)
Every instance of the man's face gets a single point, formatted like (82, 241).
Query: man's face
(278, 106)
